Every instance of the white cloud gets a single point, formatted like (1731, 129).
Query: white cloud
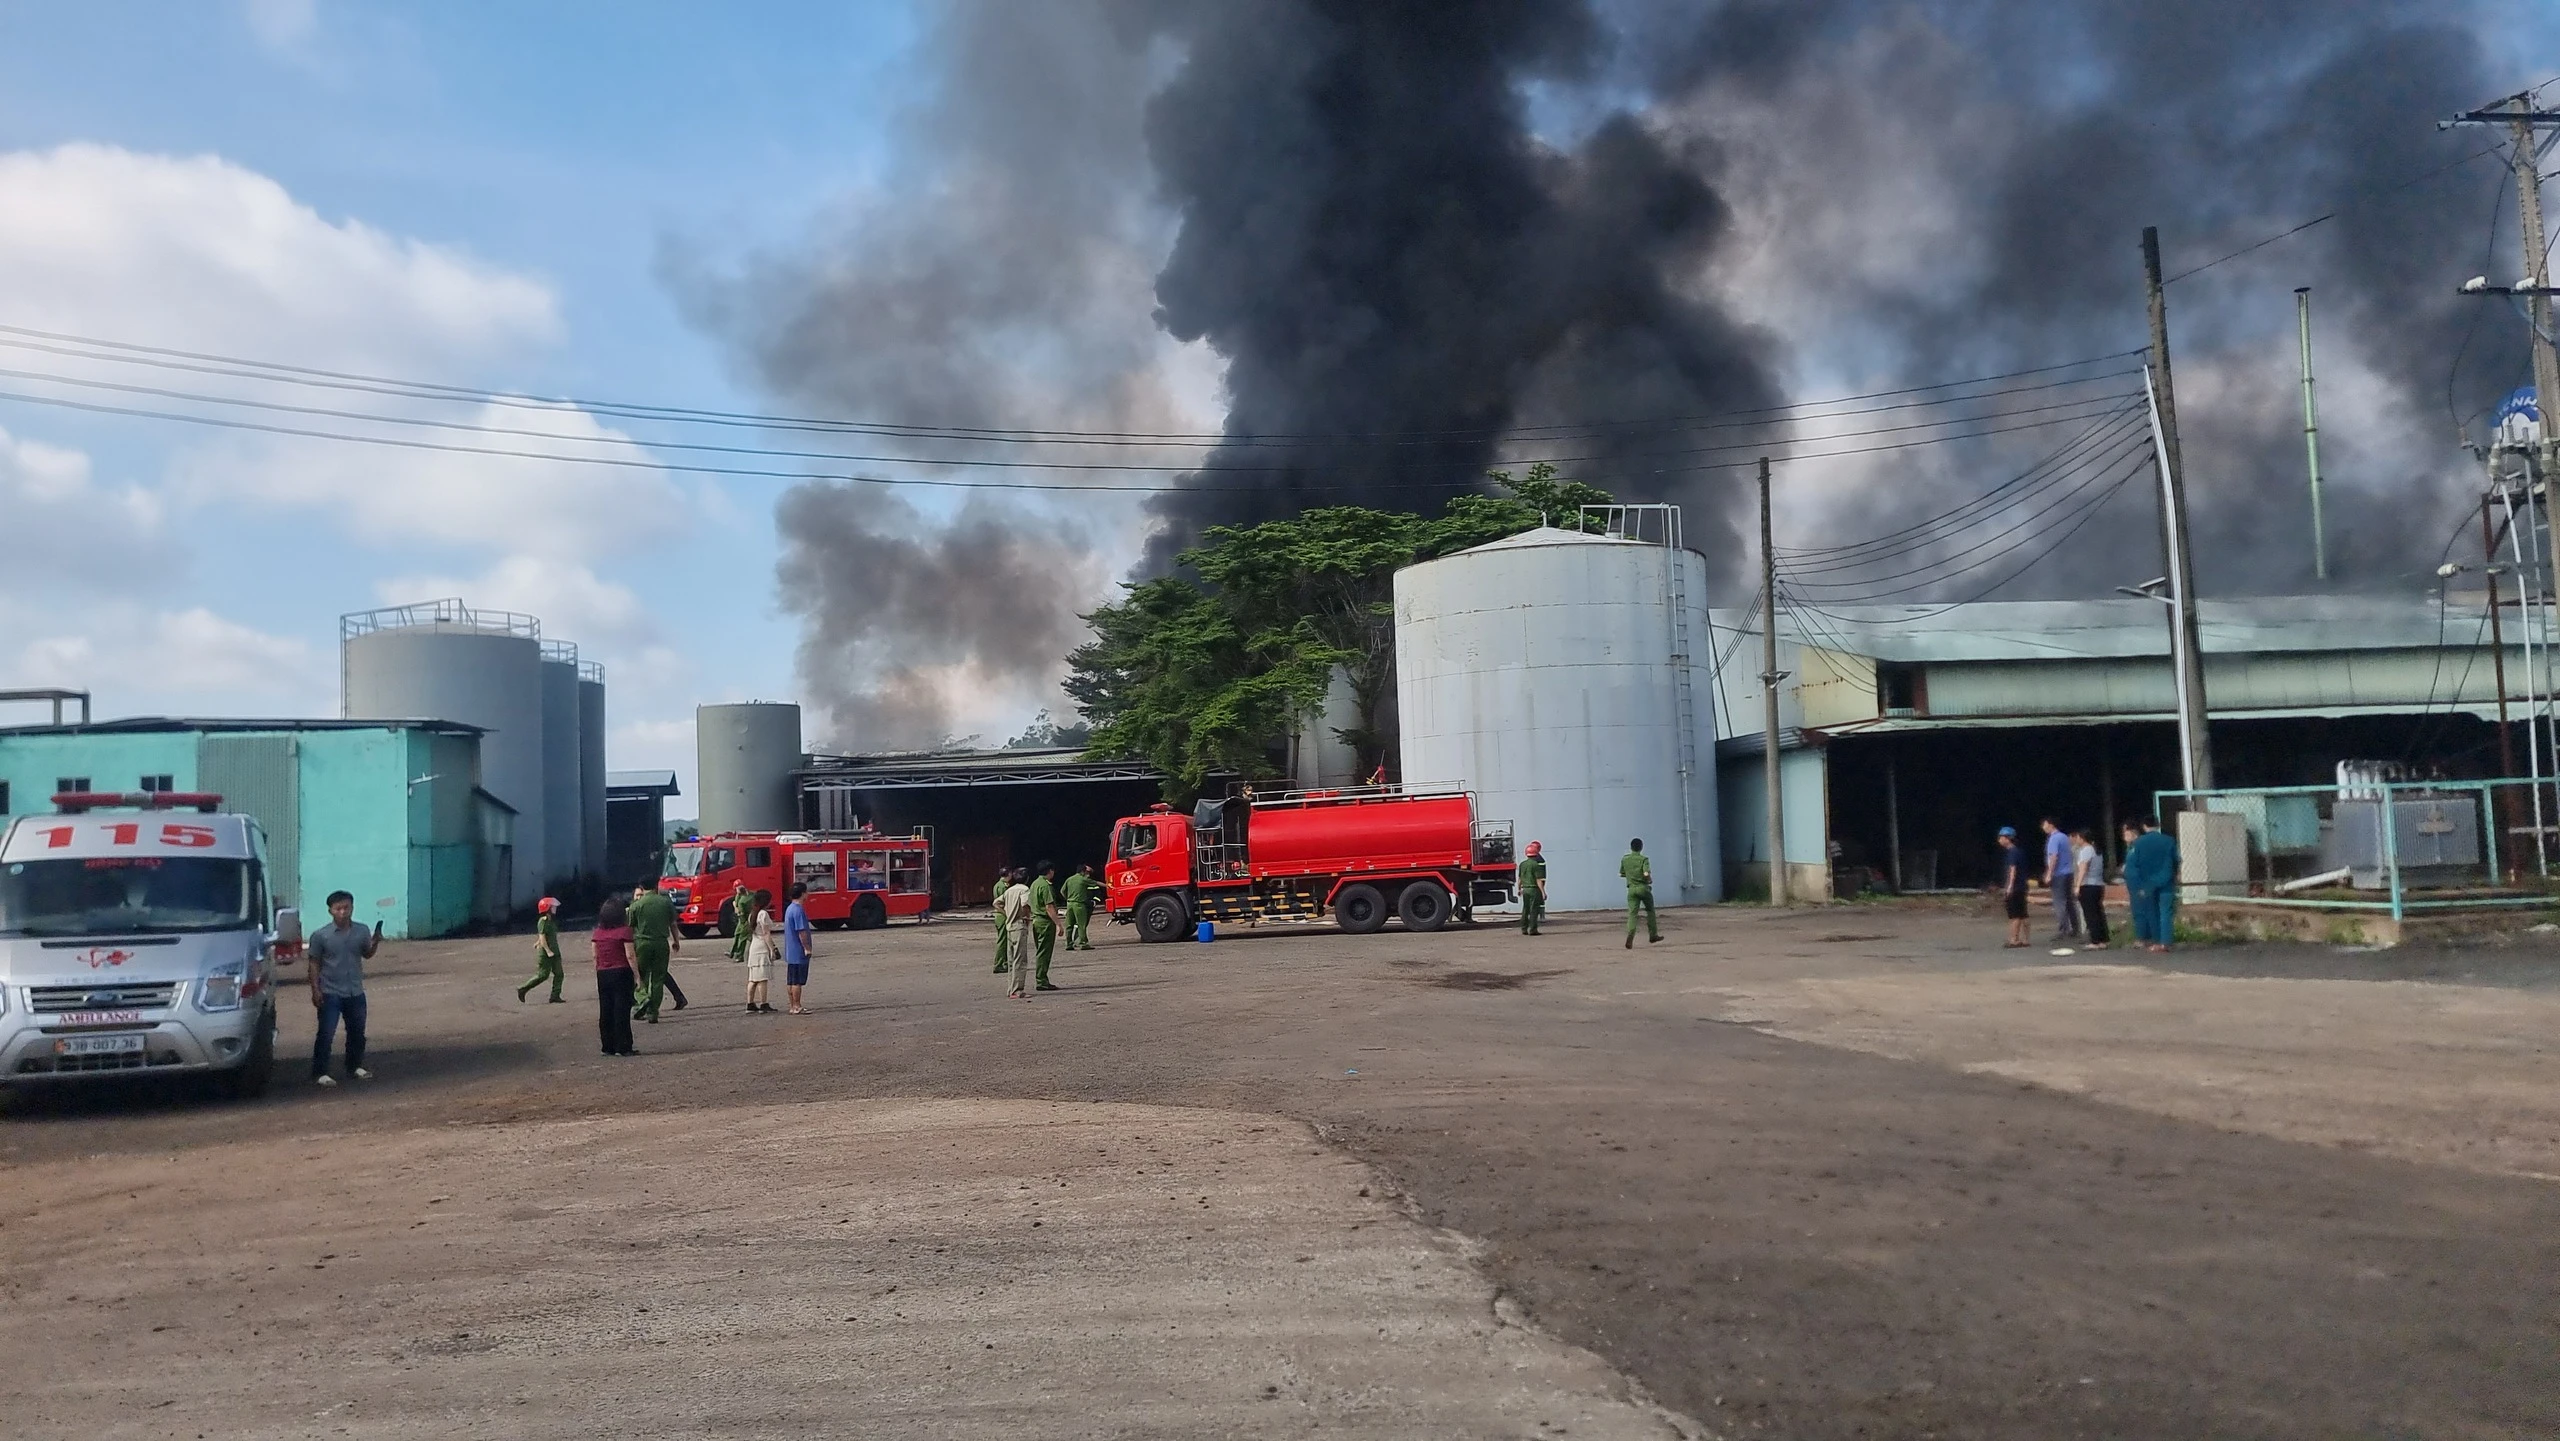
(71, 535)
(199, 253)
(281, 25)
(138, 659)
(403, 496)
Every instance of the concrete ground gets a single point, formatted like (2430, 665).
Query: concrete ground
(1845, 1172)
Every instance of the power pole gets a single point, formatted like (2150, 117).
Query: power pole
(2188, 652)
(2522, 120)
(2311, 435)
(1770, 675)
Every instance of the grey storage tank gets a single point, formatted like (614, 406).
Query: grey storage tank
(745, 756)
(443, 660)
(563, 804)
(591, 772)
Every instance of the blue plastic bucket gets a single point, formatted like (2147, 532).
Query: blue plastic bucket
(1208, 931)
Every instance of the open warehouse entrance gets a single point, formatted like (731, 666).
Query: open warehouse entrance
(987, 809)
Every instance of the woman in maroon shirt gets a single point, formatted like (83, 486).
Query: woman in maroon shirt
(615, 983)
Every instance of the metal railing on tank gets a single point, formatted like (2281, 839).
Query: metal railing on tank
(449, 611)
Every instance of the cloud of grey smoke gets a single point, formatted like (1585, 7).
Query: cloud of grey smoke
(1449, 221)
(903, 620)
(998, 275)
(1954, 187)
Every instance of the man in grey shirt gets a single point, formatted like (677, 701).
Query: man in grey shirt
(337, 953)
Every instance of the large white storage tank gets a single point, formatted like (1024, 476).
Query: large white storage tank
(591, 770)
(744, 757)
(563, 806)
(1565, 678)
(443, 660)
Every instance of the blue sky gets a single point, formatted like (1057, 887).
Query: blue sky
(471, 193)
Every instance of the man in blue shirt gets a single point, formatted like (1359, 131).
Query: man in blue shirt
(795, 947)
(2059, 879)
(2151, 883)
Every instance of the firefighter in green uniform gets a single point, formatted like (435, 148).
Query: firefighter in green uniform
(1639, 874)
(742, 922)
(1533, 890)
(1004, 937)
(1079, 893)
(546, 952)
(1044, 924)
(652, 918)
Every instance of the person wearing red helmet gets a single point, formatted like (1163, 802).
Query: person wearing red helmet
(546, 951)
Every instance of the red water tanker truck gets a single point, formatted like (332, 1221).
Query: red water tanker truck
(1363, 854)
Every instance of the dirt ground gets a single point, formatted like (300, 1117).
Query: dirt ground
(1844, 1172)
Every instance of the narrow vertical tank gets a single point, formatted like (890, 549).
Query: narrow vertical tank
(443, 660)
(591, 771)
(1565, 679)
(563, 810)
(745, 756)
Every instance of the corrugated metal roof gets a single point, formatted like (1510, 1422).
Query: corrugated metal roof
(641, 783)
(2128, 628)
(163, 725)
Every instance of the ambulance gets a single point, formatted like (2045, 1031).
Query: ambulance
(137, 939)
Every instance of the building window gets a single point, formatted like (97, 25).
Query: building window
(155, 785)
(71, 786)
(1901, 689)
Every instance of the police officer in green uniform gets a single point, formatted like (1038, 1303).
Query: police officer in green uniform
(546, 952)
(652, 918)
(1639, 875)
(1044, 923)
(742, 922)
(1004, 937)
(1533, 890)
(1079, 893)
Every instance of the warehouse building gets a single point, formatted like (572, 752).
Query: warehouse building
(1909, 734)
(391, 811)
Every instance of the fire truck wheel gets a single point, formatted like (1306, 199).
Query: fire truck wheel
(1359, 909)
(693, 933)
(1160, 918)
(869, 914)
(1424, 906)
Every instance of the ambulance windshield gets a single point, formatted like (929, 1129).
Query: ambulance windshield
(126, 895)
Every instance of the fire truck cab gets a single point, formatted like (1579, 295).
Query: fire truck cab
(1364, 854)
(860, 879)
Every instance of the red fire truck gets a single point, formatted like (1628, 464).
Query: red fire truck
(1364, 854)
(855, 878)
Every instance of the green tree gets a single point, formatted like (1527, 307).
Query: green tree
(1210, 671)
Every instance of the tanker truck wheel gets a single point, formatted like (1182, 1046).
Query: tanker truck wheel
(1424, 906)
(1160, 918)
(1359, 909)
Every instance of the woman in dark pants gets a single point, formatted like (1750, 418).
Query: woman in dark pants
(615, 983)
(2091, 864)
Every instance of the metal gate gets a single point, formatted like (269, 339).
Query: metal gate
(260, 776)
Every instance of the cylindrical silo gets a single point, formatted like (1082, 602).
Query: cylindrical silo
(745, 757)
(563, 811)
(1540, 672)
(591, 770)
(442, 660)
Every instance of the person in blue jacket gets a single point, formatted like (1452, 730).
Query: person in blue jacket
(2151, 883)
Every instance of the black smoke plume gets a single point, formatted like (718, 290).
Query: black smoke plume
(1445, 223)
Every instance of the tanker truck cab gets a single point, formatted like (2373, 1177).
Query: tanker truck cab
(135, 940)
(1148, 878)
